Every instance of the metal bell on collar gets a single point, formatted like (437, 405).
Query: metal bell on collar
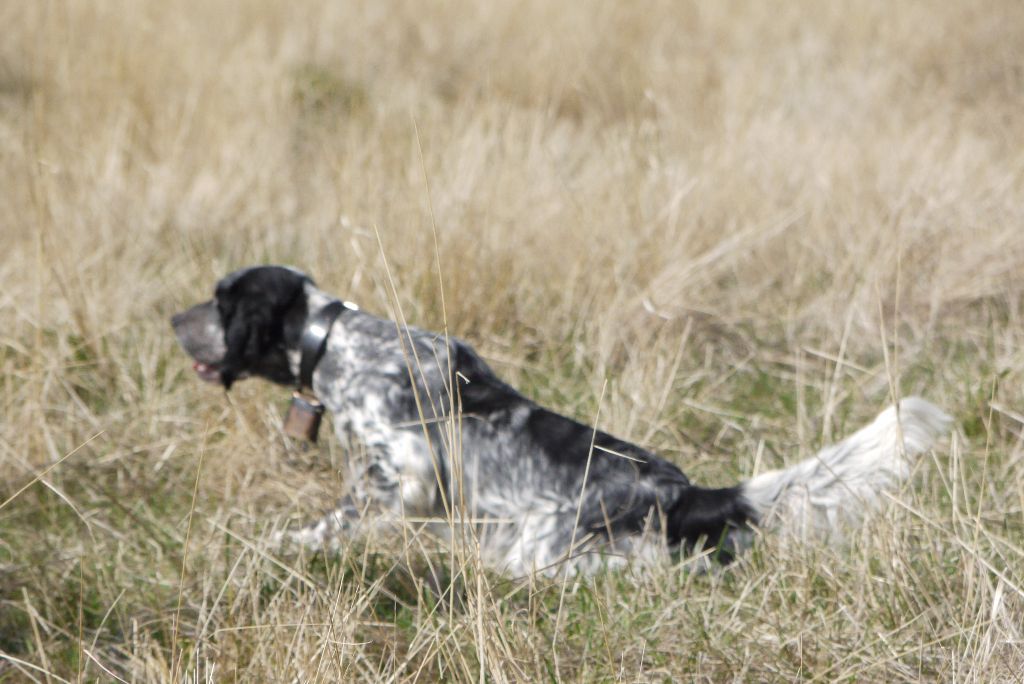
(303, 418)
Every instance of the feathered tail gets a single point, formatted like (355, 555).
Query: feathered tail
(844, 480)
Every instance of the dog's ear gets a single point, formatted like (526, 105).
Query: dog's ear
(253, 306)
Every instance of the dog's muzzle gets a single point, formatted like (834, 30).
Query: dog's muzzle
(201, 335)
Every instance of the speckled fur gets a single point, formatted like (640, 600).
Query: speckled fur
(433, 433)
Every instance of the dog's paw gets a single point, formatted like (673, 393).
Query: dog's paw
(325, 534)
(306, 538)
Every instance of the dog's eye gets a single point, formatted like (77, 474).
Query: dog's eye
(225, 310)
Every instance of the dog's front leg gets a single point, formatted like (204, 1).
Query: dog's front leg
(330, 532)
(386, 491)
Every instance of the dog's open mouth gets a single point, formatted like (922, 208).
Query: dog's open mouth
(207, 372)
(201, 335)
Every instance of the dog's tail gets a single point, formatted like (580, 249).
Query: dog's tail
(843, 481)
(835, 486)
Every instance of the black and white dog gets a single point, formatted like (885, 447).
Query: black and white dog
(433, 433)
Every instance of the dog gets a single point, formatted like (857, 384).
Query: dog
(434, 434)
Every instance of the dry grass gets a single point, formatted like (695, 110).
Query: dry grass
(729, 211)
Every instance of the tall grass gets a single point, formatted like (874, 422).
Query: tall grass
(755, 222)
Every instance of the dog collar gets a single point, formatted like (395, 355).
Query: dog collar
(314, 339)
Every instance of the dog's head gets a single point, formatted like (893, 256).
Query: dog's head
(255, 317)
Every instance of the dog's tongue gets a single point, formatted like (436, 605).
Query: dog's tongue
(206, 372)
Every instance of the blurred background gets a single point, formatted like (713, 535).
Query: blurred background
(757, 223)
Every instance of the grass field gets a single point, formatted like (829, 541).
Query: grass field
(748, 225)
